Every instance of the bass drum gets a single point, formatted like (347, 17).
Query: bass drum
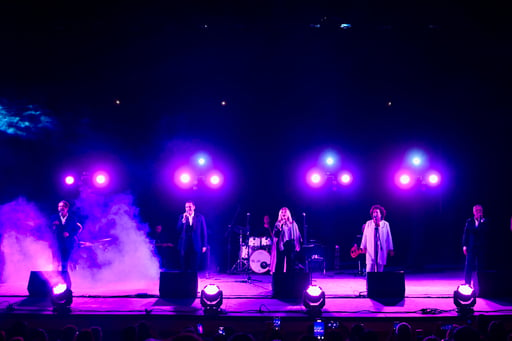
(260, 261)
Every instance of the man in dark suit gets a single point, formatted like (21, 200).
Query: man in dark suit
(65, 229)
(475, 243)
(192, 238)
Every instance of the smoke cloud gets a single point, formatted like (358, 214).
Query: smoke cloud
(115, 255)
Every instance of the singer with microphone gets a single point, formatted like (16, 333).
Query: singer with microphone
(286, 242)
(474, 243)
(377, 242)
(192, 241)
(65, 228)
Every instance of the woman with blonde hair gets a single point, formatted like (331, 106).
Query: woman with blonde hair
(286, 242)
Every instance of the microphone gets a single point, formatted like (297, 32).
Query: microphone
(304, 214)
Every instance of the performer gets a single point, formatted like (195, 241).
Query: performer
(286, 240)
(65, 229)
(377, 242)
(267, 228)
(192, 237)
(474, 243)
(160, 241)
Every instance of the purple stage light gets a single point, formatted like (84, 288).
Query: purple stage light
(184, 177)
(416, 161)
(69, 180)
(315, 178)
(100, 179)
(329, 161)
(404, 179)
(345, 178)
(433, 178)
(201, 161)
(214, 179)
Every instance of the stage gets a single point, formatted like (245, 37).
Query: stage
(248, 304)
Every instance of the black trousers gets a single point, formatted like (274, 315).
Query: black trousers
(288, 255)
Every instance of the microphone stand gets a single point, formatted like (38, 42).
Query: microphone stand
(306, 241)
(248, 229)
(376, 238)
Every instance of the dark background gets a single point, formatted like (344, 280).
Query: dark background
(292, 90)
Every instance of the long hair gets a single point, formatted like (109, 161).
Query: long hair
(288, 215)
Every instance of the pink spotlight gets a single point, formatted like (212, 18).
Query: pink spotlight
(433, 178)
(100, 179)
(184, 177)
(404, 179)
(69, 180)
(345, 178)
(214, 179)
(315, 178)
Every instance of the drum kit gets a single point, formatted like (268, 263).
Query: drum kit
(254, 255)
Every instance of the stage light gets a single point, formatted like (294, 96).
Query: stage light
(314, 299)
(315, 178)
(184, 177)
(62, 298)
(211, 299)
(201, 159)
(214, 179)
(433, 178)
(69, 180)
(329, 161)
(464, 299)
(404, 179)
(100, 179)
(416, 161)
(345, 178)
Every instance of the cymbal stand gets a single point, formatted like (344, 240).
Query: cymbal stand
(241, 264)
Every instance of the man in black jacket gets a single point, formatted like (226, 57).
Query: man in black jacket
(475, 243)
(192, 237)
(65, 229)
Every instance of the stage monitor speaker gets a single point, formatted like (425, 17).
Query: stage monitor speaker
(386, 285)
(178, 285)
(494, 284)
(40, 282)
(290, 285)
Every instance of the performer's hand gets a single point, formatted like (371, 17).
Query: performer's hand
(465, 250)
(204, 249)
(66, 234)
